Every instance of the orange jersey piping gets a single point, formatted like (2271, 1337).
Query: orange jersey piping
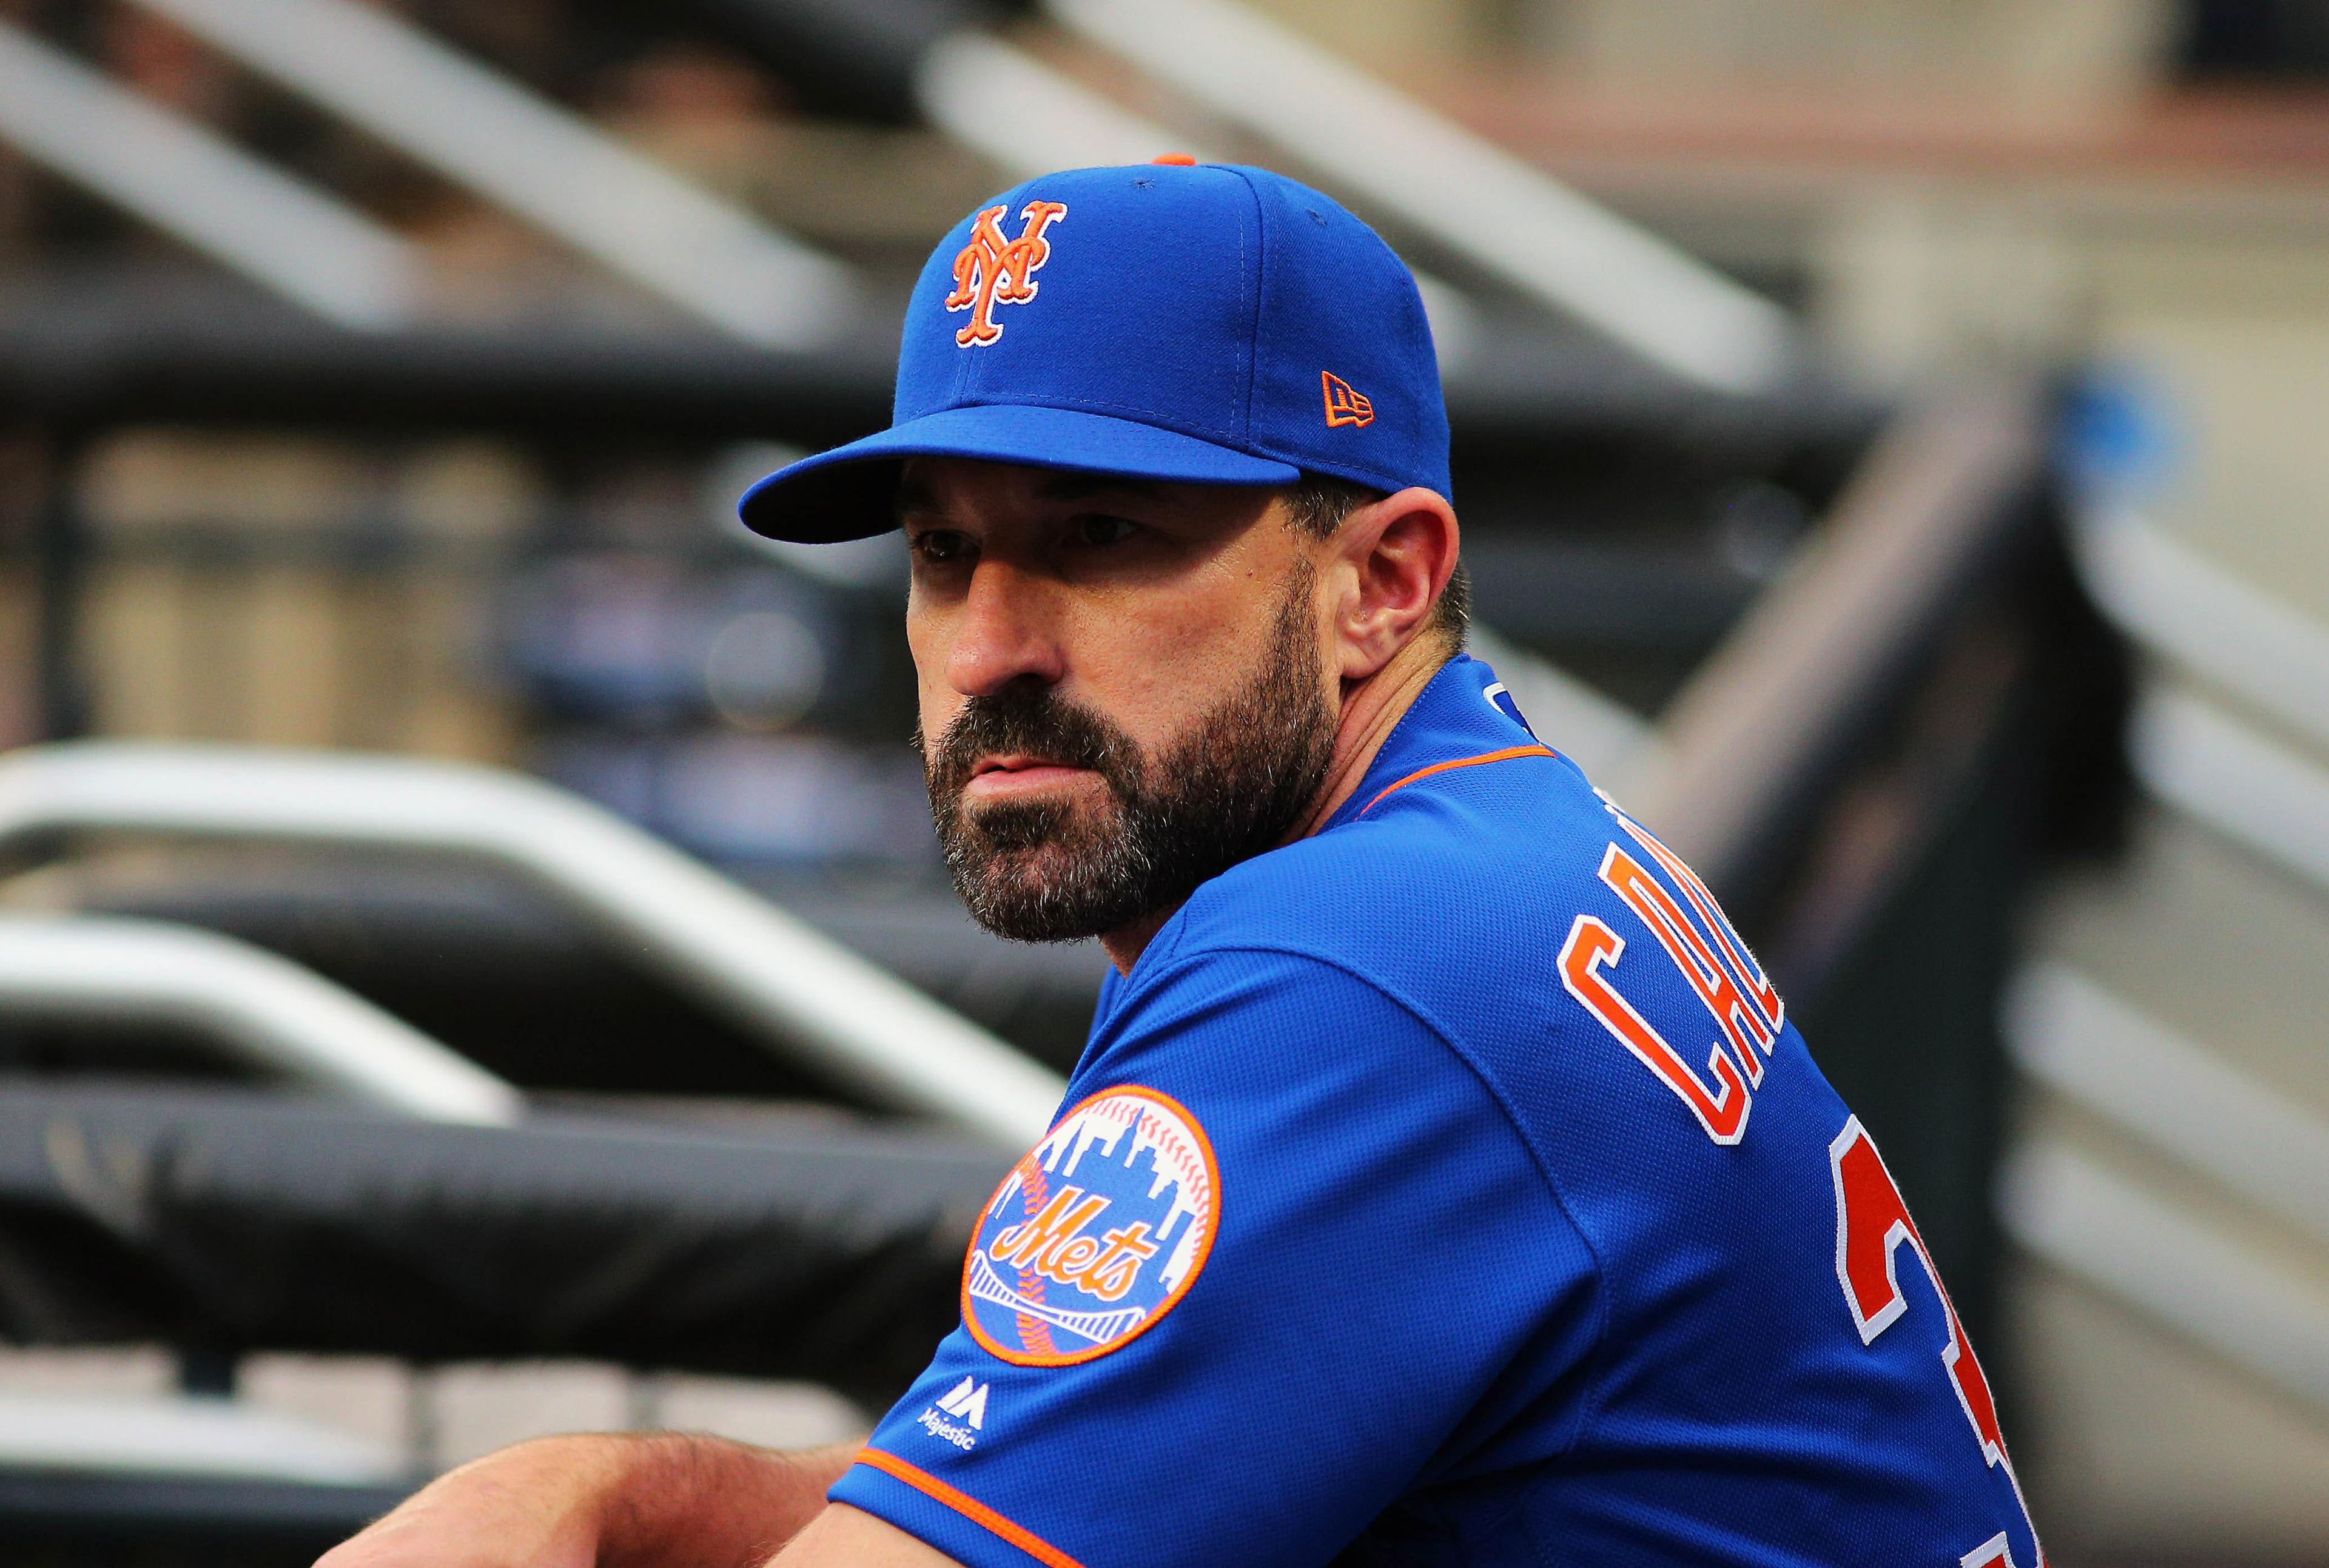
(968, 1506)
(1505, 755)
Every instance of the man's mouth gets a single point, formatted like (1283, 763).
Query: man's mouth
(996, 777)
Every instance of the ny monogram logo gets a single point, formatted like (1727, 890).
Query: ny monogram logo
(993, 270)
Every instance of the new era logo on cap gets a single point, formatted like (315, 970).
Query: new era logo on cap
(1345, 405)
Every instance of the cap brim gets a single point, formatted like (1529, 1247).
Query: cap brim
(848, 492)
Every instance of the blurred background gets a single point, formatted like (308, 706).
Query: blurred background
(473, 957)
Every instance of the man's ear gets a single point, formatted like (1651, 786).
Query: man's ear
(1392, 560)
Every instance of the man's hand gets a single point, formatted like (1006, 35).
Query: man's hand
(613, 1501)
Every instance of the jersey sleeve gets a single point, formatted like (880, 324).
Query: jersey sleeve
(1244, 1294)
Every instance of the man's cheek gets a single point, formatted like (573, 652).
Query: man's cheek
(1158, 682)
(939, 710)
(930, 647)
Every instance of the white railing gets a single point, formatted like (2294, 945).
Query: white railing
(1052, 122)
(248, 1003)
(2264, 795)
(2099, 1226)
(1502, 215)
(1056, 122)
(536, 160)
(178, 176)
(2179, 603)
(2099, 1053)
(797, 991)
(212, 1438)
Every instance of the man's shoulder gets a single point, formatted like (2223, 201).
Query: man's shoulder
(1430, 862)
(1428, 895)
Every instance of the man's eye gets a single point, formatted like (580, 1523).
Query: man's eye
(1103, 531)
(938, 545)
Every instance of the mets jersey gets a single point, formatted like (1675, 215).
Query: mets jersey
(1450, 1188)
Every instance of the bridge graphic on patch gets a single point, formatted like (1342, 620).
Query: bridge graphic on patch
(1099, 1327)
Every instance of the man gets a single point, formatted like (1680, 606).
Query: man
(1443, 1182)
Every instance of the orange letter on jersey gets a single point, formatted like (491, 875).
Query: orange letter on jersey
(1590, 946)
(1647, 898)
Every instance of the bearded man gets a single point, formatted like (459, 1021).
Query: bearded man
(1443, 1182)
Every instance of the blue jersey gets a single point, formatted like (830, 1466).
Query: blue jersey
(1450, 1188)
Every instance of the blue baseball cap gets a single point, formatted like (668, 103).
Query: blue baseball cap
(1210, 323)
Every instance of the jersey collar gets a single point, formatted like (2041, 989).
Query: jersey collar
(1463, 713)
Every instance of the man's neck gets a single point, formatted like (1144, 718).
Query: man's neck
(1125, 944)
(1371, 710)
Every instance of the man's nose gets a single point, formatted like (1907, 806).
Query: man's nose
(1007, 632)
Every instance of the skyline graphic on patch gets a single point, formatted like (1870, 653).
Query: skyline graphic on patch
(1096, 1233)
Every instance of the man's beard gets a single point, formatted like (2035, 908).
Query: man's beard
(1054, 871)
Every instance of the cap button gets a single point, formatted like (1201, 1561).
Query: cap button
(1182, 160)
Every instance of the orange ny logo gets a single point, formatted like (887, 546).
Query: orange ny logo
(993, 270)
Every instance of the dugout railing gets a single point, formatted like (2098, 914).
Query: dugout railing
(856, 1026)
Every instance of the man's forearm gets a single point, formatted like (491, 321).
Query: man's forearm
(701, 1502)
(651, 1500)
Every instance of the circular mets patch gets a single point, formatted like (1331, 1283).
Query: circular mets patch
(1095, 1234)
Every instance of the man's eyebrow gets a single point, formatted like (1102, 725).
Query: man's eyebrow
(913, 496)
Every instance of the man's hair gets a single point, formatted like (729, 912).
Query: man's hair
(1319, 503)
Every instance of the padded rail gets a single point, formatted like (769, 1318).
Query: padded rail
(802, 1246)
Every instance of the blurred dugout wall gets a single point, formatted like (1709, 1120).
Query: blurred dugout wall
(598, 619)
(277, 591)
(255, 586)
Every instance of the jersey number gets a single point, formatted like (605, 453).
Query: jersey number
(1872, 1226)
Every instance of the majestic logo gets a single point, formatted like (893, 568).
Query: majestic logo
(993, 270)
(1095, 1234)
(1345, 405)
(967, 1403)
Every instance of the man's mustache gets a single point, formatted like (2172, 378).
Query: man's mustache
(1031, 722)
